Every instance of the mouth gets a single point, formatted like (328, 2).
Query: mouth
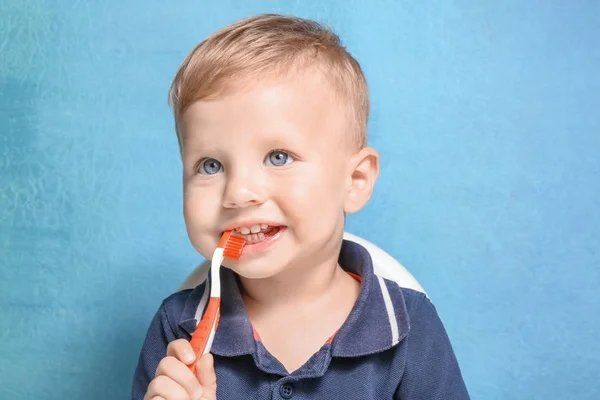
(258, 237)
(257, 233)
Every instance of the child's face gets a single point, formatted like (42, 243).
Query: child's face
(278, 153)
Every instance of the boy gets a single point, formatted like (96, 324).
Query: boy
(271, 116)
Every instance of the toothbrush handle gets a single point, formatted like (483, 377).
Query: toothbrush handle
(202, 338)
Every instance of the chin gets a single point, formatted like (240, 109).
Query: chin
(249, 271)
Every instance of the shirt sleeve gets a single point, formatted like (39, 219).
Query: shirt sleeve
(154, 349)
(431, 370)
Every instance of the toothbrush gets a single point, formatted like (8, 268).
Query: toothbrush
(231, 247)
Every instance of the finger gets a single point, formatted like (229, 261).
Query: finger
(181, 350)
(205, 372)
(180, 374)
(166, 388)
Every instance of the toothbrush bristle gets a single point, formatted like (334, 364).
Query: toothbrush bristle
(232, 245)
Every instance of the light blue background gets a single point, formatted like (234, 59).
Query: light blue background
(487, 118)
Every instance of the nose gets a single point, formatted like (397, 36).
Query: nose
(244, 188)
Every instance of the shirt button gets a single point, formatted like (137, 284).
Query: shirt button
(286, 390)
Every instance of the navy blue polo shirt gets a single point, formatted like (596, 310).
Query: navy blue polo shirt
(392, 346)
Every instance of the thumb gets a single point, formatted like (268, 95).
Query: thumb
(205, 373)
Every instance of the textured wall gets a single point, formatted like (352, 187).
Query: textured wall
(486, 117)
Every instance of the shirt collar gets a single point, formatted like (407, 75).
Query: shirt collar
(375, 323)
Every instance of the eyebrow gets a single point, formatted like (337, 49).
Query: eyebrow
(280, 138)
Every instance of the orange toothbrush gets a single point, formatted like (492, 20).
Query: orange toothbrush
(231, 247)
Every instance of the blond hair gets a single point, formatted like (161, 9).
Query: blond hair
(270, 43)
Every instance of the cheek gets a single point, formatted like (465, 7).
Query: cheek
(314, 196)
(200, 211)
(201, 201)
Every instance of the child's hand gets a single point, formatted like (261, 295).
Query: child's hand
(175, 381)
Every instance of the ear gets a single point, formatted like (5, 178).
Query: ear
(363, 170)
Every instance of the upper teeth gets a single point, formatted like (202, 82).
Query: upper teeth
(244, 230)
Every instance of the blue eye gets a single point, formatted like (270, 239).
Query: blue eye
(278, 158)
(210, 166)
